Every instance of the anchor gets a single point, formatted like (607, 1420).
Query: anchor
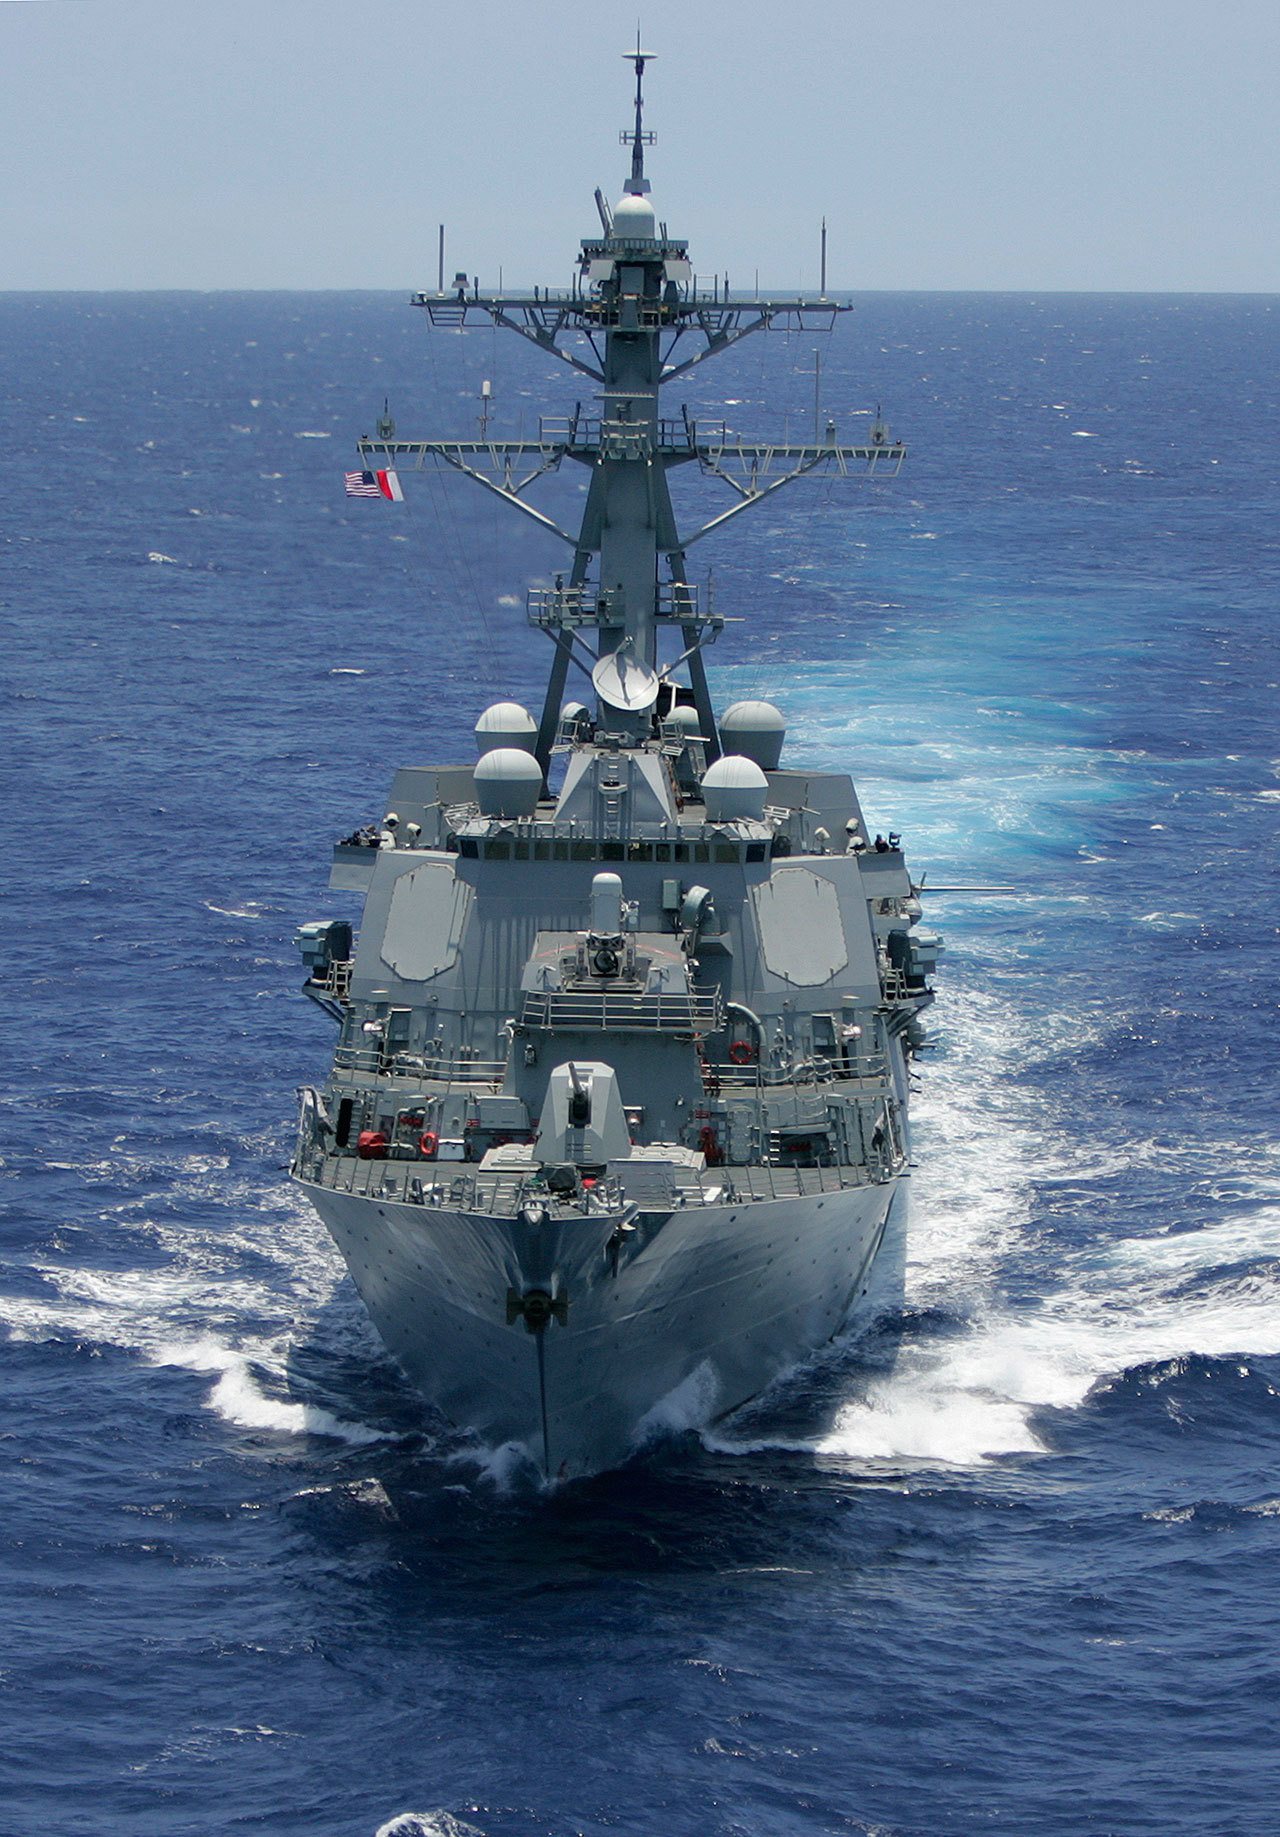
(536, 1308)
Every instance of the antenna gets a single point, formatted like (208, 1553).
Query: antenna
(440, 271)
(822, 291)
(638, 184)
(606, 215)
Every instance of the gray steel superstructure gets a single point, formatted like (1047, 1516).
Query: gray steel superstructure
(619, 1105)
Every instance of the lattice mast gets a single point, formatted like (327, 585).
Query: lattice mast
(634, 302)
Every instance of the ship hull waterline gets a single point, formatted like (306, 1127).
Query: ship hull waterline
(689, 1316)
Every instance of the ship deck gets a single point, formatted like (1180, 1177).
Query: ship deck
(647, 1185)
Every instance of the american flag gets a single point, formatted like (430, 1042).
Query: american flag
(363, 485)
(374, 485)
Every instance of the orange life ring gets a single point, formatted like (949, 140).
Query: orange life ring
(428, 1142)
(742, 1052)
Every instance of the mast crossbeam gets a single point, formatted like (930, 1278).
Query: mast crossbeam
(758, 460)
(500, 480)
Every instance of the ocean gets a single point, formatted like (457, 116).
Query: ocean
(1006, 1561)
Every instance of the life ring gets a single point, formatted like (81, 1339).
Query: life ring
(428, 1143)
(742, 1052)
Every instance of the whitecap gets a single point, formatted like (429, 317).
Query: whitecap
(311, 433)
(1169, 921)
(156, 556)
(239, 1398)
(370, 1493)
(188, 1306)
(933, 1427)
(427, 1824)
(503, 1466)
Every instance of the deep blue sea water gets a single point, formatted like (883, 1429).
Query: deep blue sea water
(1008, 1562)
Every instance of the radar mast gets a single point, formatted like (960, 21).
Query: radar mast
(634, 303)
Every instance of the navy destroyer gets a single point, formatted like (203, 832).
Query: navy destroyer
(619, 1105)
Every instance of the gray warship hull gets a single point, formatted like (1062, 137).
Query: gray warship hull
(619, 1102)
(713, 1303)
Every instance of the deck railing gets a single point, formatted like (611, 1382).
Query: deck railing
(614, 1010)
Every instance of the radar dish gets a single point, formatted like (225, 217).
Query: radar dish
(624, 682)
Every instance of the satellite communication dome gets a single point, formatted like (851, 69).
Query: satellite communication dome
(756, 730)
(634, 219)
(506, 724)
(508, 782)
(683, 718)
(733, 790)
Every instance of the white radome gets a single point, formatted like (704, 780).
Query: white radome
(506, 724)
(734, 790)
(756, 730)
(634, 219)
(508, 782)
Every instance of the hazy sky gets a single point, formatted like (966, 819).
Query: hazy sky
(1026, 144)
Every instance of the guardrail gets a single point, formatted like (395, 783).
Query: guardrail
(866, 1076)
(384, 1061)
(615, 1010)
(550, 608)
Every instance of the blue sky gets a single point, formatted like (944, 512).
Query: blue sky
(1022, 144)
